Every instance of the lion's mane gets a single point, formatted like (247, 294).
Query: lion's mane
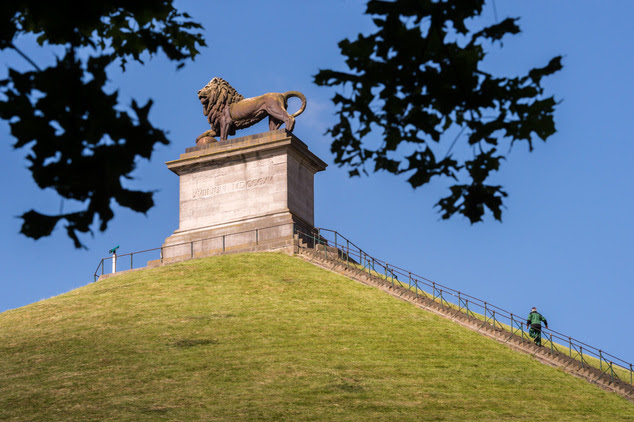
(215, 97)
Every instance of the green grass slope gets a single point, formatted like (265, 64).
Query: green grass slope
(267, 337)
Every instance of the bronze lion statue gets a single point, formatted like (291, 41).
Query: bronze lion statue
(226, 110)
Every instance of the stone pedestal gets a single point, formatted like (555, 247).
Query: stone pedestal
(243, 194)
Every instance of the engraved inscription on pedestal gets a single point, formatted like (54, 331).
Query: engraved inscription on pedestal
(230, 187)
(236, 191)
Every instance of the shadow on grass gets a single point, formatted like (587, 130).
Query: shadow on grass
(193, 342)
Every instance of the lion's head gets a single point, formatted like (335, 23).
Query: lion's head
(215, 97)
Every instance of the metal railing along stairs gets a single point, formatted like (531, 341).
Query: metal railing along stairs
(333, 246)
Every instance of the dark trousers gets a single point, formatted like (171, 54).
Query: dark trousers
(536, 333)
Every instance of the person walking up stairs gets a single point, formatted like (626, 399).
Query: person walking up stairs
(534, 321)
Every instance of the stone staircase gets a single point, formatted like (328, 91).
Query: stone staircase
(333, 260)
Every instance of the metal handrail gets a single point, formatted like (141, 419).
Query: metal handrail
(191, 243)
(439, 293)
(491, 313)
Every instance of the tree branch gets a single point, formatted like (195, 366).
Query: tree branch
(25, 57)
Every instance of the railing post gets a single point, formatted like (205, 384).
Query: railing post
(631, 383)
(223, 243)
(161, 255)
(512, 325)
(600, 361)
(336, 243)
(486, 318)
(494, 320)
(415, 284)
(347, 253)
(466, 304)
(570, 346)
(612, 371)
(102, 266)
(257, 235)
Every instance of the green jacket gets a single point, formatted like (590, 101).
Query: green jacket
(535, 318)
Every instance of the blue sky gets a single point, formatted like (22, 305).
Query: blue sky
(566, 241)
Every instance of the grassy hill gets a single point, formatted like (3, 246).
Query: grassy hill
(267, 337)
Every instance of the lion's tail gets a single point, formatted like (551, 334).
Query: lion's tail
(299, 95)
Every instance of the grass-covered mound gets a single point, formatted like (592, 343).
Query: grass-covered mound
(267, 337)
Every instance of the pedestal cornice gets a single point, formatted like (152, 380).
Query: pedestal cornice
(245, 148)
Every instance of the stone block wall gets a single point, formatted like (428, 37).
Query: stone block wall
(250, 190)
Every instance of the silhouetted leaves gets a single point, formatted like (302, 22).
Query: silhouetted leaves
(80, 142)
(418, 76)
